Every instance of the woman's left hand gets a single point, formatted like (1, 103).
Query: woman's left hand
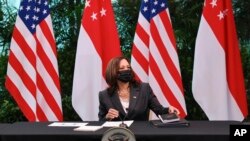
(172, 109)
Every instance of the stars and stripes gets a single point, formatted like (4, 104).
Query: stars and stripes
(32, 74)
(154, 54)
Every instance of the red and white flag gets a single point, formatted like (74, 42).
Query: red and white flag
(218, 83)
(154, 54)
(98, 42)
(32, 74)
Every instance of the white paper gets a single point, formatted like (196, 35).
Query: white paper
(68, 124)
(88, 128)
(117, 123)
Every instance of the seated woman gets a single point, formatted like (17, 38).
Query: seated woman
(126, 98)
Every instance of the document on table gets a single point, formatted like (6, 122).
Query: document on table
(67, 124)
(117, 123)
(88, 128)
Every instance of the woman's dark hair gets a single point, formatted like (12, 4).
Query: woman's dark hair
(111, 74)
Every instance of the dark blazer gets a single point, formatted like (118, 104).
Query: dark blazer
(142, 99)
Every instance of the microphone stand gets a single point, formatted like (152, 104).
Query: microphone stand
(124, 125)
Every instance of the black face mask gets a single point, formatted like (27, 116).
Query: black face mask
(124, 75)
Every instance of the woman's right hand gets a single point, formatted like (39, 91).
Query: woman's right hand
(112, 113)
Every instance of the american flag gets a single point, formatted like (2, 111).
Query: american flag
(32, 74)
(98, 42)
(218, 82)
(154, 54)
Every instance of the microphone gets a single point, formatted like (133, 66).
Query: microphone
(124, 125)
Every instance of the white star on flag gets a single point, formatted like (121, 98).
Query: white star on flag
(218, 82)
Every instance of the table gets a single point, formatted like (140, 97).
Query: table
(3, 125)
(143, 130)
